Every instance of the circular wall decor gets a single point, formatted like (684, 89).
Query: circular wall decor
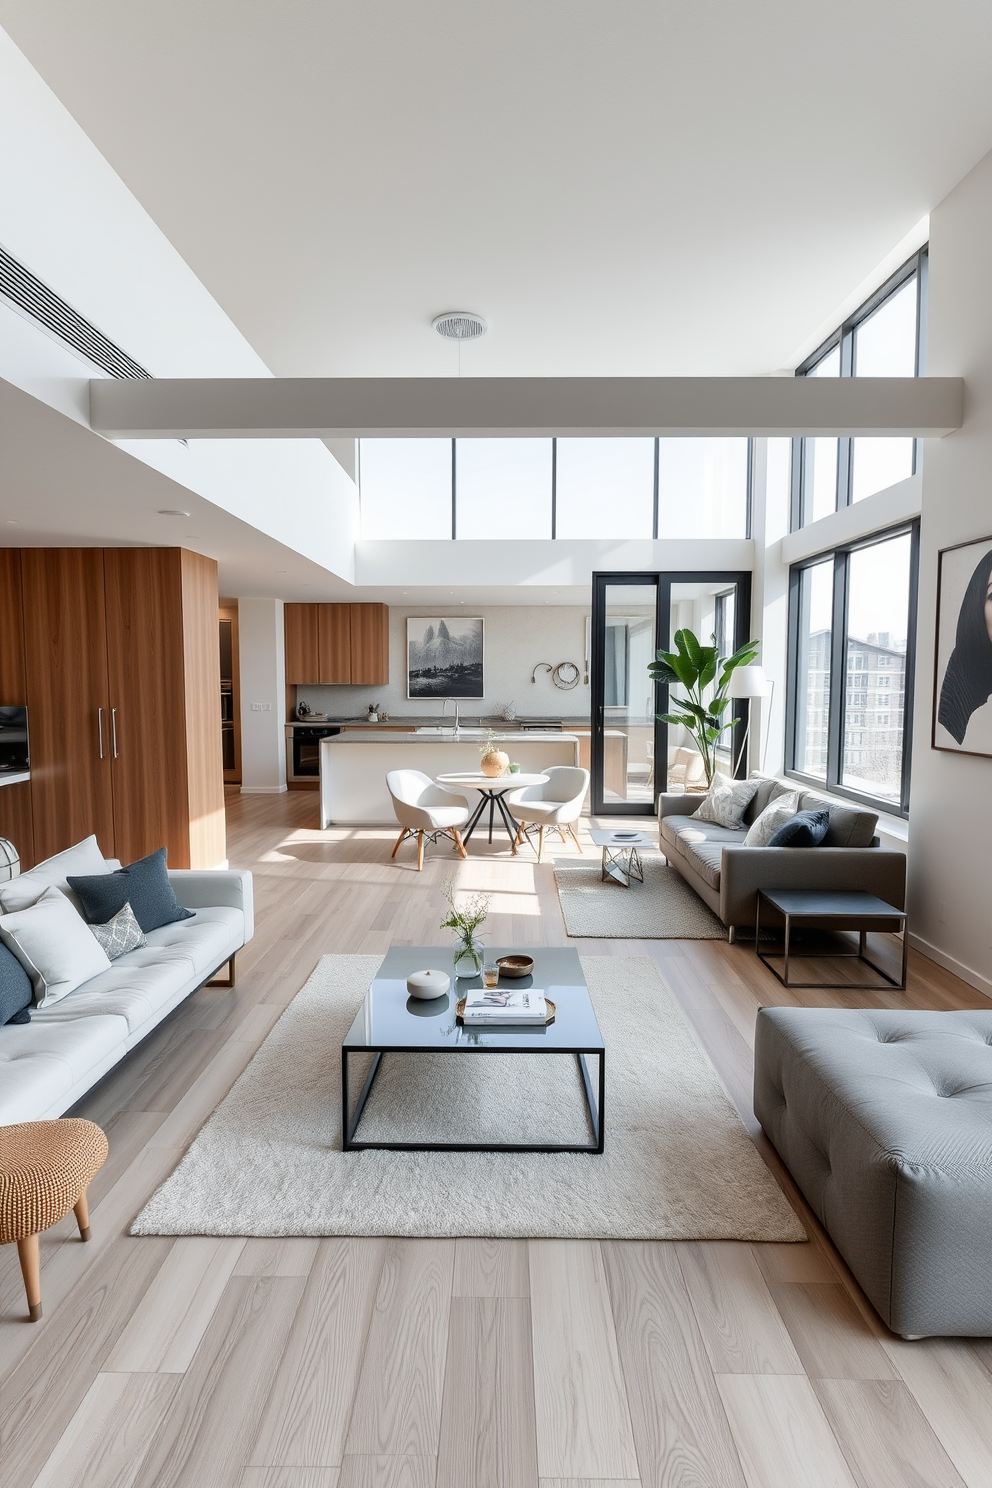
(565, 675)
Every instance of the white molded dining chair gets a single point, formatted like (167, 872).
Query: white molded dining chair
(424, 808)
(555, 805)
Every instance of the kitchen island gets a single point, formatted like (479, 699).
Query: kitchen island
(353, 766)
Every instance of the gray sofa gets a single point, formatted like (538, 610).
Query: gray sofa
(883, 1117)
(727, 875)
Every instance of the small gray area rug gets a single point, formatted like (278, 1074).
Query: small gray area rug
(678, 1163)
(663, 907)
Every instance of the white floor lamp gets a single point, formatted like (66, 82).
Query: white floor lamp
(748, 682)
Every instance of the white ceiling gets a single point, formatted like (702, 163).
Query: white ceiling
(627, 188)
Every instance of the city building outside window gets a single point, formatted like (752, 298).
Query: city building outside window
(852, 641)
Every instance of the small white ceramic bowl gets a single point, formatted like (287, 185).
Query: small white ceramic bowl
(428, 984)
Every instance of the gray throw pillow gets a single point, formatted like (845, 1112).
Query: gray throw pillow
(727, 801)
(763, 829)
(121, 934)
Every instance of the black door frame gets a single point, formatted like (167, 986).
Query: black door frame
(662, 580)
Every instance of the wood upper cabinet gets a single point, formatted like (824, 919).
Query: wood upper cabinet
(122, 675)
(337, 643)
(300, 630)
(370, 644)
(334, 643)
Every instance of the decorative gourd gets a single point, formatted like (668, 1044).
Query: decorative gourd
(494, 762)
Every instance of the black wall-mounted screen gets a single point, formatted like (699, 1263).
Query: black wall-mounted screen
(14, 754)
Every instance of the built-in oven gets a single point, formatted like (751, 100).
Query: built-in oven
(304, 754)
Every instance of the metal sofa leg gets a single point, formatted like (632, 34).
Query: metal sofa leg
(731, 934)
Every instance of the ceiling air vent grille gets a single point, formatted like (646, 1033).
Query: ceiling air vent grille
(20, 286)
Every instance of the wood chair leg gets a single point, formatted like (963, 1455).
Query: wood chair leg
(399, 842)
(575, 838)
(518, 839)
(30, 1258)
(82, 1213)
(458, 842)
(420, 852)
(540, 843)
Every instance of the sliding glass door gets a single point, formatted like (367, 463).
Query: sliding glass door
(635, 756)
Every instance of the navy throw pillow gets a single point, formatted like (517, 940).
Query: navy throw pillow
(144, 885)
(805, 829)
(16, 991)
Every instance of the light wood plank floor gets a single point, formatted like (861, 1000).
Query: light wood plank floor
(469, 1364)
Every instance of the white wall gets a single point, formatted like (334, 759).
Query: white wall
(517, 637)
(951, 807)
(262, 661)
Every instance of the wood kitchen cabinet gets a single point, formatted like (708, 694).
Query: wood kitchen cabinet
(300, 633)
(16, 821)
(122, 676)
(337, 643)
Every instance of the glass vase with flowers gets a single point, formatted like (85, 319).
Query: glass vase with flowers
(465, 920)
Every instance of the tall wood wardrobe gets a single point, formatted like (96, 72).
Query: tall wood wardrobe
(115, 652)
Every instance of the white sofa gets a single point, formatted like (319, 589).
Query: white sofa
(47, 1065)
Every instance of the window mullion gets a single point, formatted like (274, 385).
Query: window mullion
(838, 672)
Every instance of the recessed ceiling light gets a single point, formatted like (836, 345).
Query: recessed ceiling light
(460, 325)
(170, 511)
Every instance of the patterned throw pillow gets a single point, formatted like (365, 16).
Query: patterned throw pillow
(727, 801)
(121, 934)
(775, 815)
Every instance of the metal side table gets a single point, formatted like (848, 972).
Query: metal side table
(829, 909)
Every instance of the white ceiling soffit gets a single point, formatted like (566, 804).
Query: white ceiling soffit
(621, 190)
(301, 408)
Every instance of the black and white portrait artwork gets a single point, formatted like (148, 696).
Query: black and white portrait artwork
(444, 657)
(963, 671)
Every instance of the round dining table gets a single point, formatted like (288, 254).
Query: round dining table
(492, 789)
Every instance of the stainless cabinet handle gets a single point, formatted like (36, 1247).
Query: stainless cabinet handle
(99, 729)
(113, 730)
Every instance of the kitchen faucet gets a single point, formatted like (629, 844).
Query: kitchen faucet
(444, 706)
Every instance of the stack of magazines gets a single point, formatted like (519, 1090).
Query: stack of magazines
(498, 1007)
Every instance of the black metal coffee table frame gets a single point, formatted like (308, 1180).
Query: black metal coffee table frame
(826, 909)
(595, 1104)
(505, 1042)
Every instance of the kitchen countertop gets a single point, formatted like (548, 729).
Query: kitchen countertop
(467, 736)
(431, 720)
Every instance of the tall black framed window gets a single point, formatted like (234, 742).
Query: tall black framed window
(852, 643)
(885, 337)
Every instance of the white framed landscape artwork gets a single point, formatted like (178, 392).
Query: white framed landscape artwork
(444, 657)
(962, 713)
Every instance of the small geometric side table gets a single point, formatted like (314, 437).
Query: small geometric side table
(831, 909)
(621, 858)
(45, 1170)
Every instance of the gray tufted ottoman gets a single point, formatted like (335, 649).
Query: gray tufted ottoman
(884, 1119)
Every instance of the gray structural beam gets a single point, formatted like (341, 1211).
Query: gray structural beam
(425, 407)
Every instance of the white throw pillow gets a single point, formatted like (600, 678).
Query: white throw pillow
(727, 801)
(775, 815)
(83, 859)
(54, 945)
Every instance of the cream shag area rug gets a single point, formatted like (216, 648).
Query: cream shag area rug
(678, 1163)
(663, 907)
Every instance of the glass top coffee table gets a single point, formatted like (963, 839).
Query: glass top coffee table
(621, 858)
(389, 1021)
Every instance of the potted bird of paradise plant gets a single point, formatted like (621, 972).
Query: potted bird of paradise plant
(697, 668)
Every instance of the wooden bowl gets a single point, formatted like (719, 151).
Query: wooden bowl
(515, 966)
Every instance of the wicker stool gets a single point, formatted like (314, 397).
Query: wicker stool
(45, 1170)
